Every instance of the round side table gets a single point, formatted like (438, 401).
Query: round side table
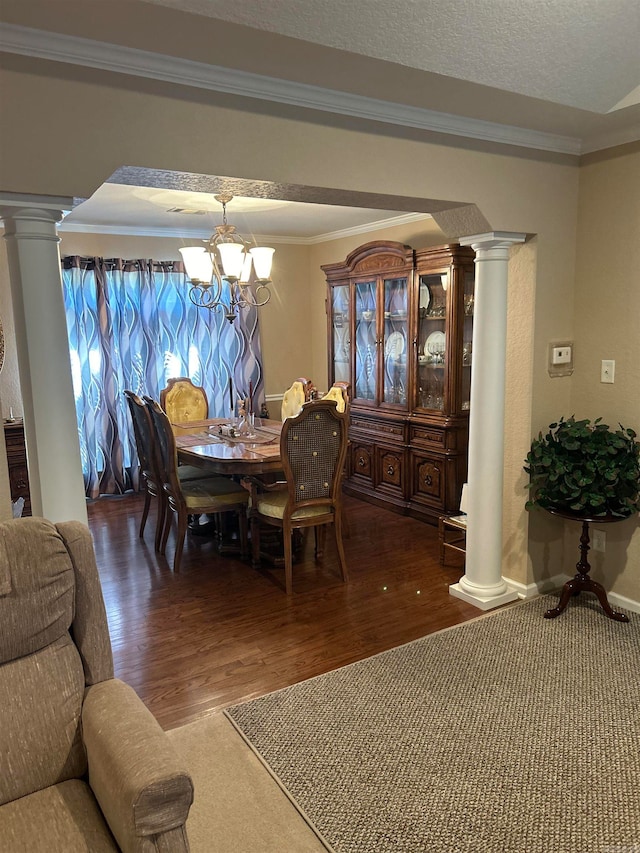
(581, 582)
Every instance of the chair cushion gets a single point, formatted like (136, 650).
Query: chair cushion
(272, 504)
(38, 606)
(40, 742)
(192, 472)
(201, 495)
(63, 818)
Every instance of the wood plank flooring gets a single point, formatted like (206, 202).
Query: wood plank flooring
(221, 632)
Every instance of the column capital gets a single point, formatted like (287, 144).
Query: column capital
(31, 223)
(493, 240)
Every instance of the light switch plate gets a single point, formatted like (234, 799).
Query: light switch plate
(608, 371)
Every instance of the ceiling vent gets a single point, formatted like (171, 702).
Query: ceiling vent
(188, 211)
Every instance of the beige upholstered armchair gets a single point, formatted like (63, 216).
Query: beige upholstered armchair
(84, 766)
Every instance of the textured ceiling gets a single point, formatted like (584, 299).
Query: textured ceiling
(579, 53)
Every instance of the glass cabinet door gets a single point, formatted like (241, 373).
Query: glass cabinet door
(467, 338)
(432, 341)
(395, 308)
(365, 353)
(341, 332)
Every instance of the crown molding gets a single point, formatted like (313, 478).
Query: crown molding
(124, 60)
(135, 231)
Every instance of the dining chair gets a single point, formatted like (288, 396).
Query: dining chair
(313, 446)
(339, 392)
(150, 471)
(183, 401)
(294, 398)
(205, 496)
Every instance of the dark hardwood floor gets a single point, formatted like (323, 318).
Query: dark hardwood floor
(221, 632)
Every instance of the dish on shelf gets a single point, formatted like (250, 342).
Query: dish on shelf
(394, 346)
(425, 298)
(435, 344)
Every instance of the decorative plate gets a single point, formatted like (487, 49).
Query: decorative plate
(435, 344)
(425, 296)
(394, 346)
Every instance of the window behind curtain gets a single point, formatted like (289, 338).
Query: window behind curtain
(131, 325)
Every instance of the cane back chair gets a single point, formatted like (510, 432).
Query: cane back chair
(313, 446)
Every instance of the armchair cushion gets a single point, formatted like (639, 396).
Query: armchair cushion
(49, 749)
(62, 817)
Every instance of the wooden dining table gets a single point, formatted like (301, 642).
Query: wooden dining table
(200, 443)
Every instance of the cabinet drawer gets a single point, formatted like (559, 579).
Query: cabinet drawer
(386, 430)
(427, 436)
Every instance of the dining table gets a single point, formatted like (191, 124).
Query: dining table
(208, 444)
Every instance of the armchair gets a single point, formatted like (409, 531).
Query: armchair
(85, 766)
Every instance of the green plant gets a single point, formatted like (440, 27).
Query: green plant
(586, 468)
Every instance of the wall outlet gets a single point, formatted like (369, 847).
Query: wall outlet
(599, 540)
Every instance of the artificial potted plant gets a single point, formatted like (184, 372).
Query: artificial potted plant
(586, 469)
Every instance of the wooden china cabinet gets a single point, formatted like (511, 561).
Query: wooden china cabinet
(400, 331)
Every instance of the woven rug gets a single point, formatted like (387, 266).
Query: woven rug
(511, 733)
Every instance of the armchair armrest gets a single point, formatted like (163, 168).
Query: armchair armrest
(141, 785)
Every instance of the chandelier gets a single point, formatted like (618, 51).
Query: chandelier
(232, 264)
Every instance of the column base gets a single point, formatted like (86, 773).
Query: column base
(483, 599)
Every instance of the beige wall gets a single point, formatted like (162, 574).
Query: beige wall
(145, 123)
(607, 326)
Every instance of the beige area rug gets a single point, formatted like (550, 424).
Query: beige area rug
(508, 734)
(237, 807)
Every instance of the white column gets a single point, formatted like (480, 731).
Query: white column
(51, 429)
(482, 583)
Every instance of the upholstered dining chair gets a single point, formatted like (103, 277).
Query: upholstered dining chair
(151, 478)
(313, 445)
(84, 764)
(339, 392)
(204, 496)
(294, 398)
(183, 401)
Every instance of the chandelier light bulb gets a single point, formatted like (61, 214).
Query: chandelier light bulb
(262, 259)
(197, 263)
(232, 257)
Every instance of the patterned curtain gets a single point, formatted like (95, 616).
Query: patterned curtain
(132, 326)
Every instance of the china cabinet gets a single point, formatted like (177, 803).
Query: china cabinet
(400, 332)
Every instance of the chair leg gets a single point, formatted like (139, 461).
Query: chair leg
(288, 558)
(337, 530)
(161, 521)
(165, 532)
(145, 511)
(182, 530)
(255, 540)
(441, 540)
(321, 535)
(244, 538)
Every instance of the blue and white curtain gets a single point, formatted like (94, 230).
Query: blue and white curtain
(132, 326)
